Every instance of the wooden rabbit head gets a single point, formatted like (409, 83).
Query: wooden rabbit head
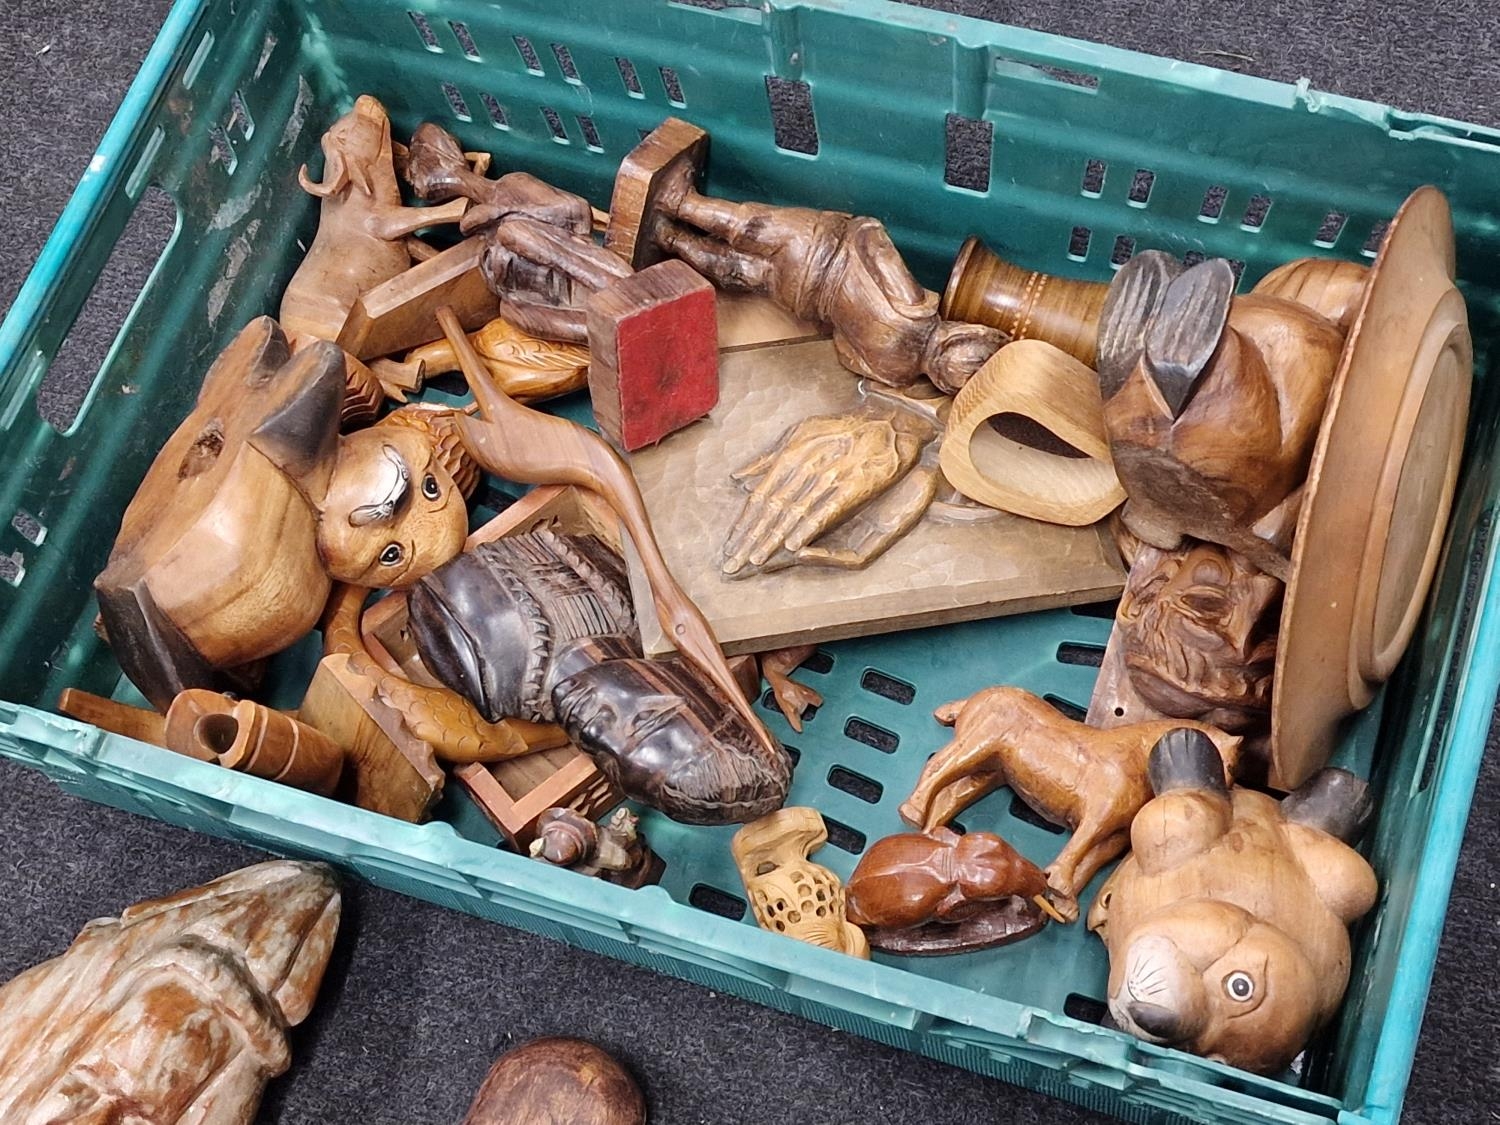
(357, 154)
(1227, 925)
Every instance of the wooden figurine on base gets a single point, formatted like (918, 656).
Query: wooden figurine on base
(1228, 924)
(652, 336)
(1090, 781)
(254, 505)
(615, 851)
(788, 892)
(557, 1082)
(921, 894)
(177, 1011)
(825, 267)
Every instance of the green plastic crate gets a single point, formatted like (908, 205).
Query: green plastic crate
(232, 99)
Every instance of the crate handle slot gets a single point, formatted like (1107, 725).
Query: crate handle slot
(70, 263)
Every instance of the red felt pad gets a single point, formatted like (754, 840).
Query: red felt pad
(654, 354)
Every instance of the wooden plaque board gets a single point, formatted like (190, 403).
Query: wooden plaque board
(940, 572)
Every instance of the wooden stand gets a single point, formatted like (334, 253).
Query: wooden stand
(514, 793)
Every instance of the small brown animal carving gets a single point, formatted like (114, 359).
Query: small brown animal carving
(174, 1013)
(825, 267)
(1091, 781)
(557, 1082)
(1228, 924)
(788, 892)
(615, 851)
(927, 893)
(255, 503)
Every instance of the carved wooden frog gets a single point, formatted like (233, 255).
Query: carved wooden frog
(1227, 925)
(255, 503)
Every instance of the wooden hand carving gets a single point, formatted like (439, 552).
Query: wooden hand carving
(1091, 781)
(821, 471)
(825, 267)
(176, 1011)
(1227, 925)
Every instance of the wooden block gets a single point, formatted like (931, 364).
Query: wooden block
(400, 314)
(940, 571)
(640, 178)
(117, 718)
(653, 343)
(389, 771)
(513, 794)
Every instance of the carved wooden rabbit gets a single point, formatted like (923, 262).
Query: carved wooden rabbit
(1092, 781)
(1228, 924)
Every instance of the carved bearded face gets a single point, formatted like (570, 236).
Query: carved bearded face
(1199, 631)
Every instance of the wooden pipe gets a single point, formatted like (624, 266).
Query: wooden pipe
(527, 446)
(983, 288)
(254, 739)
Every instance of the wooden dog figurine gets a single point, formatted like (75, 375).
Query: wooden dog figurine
(1228, 924)
(254, 505)
(361, 239)
(1091, 781)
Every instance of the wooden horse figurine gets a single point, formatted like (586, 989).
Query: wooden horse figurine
(1091, 781)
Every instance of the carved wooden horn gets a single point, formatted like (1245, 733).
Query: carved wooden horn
(983, 288)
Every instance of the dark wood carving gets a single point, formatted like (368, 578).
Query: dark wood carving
(1091, 781)
(926, 893)
(664, 735)
(557, 1081)
(826, 267)
(615, 850)
(489, 623)
(175, 1012)
(1227, 925)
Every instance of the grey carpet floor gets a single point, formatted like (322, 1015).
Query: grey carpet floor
(420, 1000)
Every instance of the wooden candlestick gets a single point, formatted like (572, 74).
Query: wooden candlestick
(1227, 925)
(1091, 781)
(984, 288)
(175, 1011)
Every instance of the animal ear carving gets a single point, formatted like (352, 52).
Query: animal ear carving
(300, 436)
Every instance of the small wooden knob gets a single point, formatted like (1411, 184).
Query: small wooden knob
(557, 1082)
(983, 288)
(1051, 389)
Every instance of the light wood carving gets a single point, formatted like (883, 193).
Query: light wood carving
(1090, 781)
(254, 504)
(1227, 925)
(252, 738)
(397, 314)
(526, 367)
(1043, 384)
(176, 1012)
(789, 893)
(117, 718)
(1379, 491)
(825, 267)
